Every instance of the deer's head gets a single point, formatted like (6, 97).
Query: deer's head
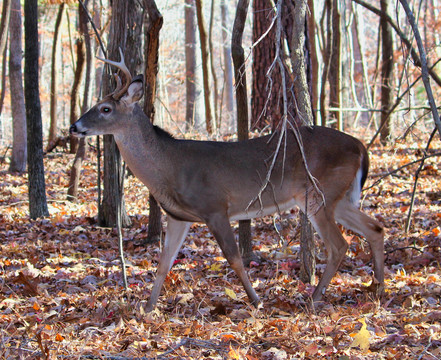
(114, 111)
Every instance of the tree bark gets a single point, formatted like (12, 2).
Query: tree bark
(4, 28)
(387, 48)
(37, 188)
(82, 61)
(75, 172)
(125, 33)
(335, 66)
(155, 21)
(19, 144)
(266, 108)
(217, 120)
(53, 95)
(305, 115)
(79, 45)
(4, 24)
(237, 52)
(314, 73)
(190, 64)
(228, 66)
(205, 61)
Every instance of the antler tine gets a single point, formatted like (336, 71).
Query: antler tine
(119, 91)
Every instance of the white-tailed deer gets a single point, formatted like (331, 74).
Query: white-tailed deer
(217, 182)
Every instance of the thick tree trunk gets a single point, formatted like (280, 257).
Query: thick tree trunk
(305, 115)
(205, 62)
(37, 188)
(152, 30)
(266, 109)
(125, 33)
(190, 64)
(53, 95)
(387, 48)
(19, 145)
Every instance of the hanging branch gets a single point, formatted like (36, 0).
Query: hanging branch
(424, 68)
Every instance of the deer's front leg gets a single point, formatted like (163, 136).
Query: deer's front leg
(220, 227)
(174, 237)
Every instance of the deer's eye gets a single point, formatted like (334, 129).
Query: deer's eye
(106, 109)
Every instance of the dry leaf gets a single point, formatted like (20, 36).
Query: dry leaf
(361, 339)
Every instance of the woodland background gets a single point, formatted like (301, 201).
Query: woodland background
(61, 289)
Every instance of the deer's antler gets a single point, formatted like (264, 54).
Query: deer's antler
(120, 89)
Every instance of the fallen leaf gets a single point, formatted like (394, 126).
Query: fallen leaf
(361, 339)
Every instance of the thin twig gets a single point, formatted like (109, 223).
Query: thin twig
(417, 175)
(400, 168)
(424, 69)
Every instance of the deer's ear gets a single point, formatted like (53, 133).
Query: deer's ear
(134, 92)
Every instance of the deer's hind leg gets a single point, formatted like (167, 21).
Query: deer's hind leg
(352, 218)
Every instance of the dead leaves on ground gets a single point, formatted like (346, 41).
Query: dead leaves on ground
(61, 292)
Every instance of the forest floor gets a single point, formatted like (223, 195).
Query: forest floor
(62, 295)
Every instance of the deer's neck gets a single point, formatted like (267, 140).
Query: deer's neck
(140, 147)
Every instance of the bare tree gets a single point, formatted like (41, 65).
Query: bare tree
(36, 182)
(305, 114)
(126, 21)
(190, 64)
(151, 52)
(82, 61)
(205, 62)
(266, 109)
(4, 27)
(387, 50)
(237, 52)
(19, 143)
(53, 95)
(4, 24)
(228, 66)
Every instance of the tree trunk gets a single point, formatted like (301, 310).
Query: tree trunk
(190, 64)
(217, 121)
(3, 90)
(237, 52)
(327, 10)
(4, 24)
(266, 109)
(386, 73)
(53, 95)
(314, 73)
(228, 66)
(305, 115)
(125, 33)
(75, 172)
(151, 54)
(4, 28)
(37, 188)
(19, 144)
(205, 61)
(335, 66)
(75, 89)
